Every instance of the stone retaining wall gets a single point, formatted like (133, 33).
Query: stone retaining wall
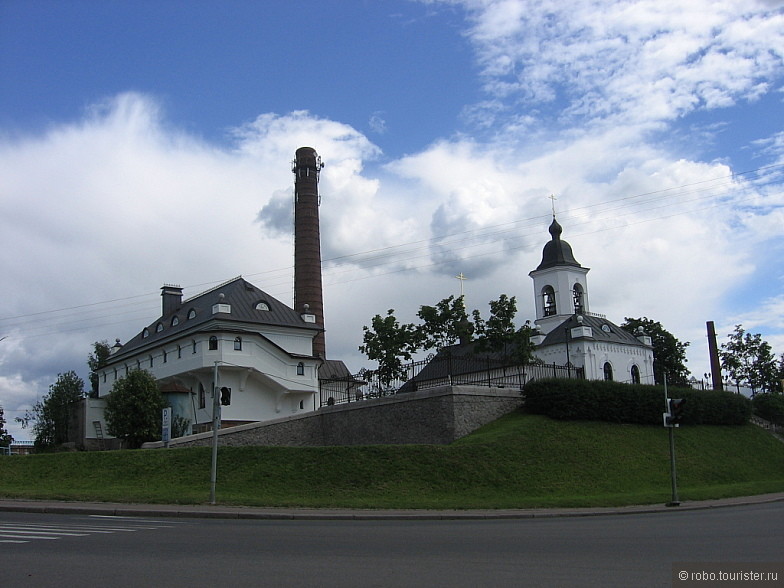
(435, 416)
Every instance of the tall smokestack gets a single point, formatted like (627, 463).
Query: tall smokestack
(307, 241)
(713, 352)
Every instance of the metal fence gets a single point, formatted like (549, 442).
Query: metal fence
(442, 370)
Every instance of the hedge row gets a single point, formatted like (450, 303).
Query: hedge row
(624, 403)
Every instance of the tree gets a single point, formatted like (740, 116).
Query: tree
(5, 438)
(389, 343)
(95, 361)
(444, 324)
(746, 358)
(133, 409)
(499, 332)
(669, 354)
(51, 416)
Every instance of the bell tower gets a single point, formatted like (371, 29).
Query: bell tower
(308, 297)
(560, 283)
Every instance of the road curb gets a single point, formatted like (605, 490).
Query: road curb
(281, 514)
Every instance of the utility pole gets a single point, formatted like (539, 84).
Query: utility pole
(216, 420)
(668, 415)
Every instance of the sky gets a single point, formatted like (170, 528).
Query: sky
(145, 143)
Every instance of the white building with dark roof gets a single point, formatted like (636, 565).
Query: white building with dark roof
(569, 332)
(263, 350)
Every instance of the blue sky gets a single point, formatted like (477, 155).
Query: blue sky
(144, 143)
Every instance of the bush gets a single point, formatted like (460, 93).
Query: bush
(769, 407)
(624, 403)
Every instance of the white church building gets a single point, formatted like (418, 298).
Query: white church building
(569, 333)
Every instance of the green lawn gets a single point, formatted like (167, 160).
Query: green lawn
(519, 461)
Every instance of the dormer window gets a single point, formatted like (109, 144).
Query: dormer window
(175, 321)
(261, 305)
(159, 327)
(191, 314)
(145, 333)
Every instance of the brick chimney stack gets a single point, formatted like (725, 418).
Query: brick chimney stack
(307, 241)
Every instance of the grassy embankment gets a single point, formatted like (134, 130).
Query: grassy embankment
(520, 461)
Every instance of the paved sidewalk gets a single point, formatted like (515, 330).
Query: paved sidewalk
(243, 512)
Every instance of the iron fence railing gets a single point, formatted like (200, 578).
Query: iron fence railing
(476, 370)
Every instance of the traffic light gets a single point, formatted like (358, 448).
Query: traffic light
(225, 397)
(676, 411)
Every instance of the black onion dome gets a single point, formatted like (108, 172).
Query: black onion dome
(557, 252)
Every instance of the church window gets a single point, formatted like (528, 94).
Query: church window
(175, 321)
(191, 314)
(151, 361)
(262, 305)
(608, 372)
(548, 296)
(213, 343)
(193, 345)
(165, 356)
(159, 327)
(179, 352)
(577, 295)
(300, 369)
(238, 344)
(145, 333)
(202, 397)
(635, 374)
(301, 404)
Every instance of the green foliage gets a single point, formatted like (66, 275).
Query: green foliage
(499, 333)
(444, 323)
(669, 354)
(746, 358)
(95, 361)
(133, 409)
(769, 407)
(51, 417)
(389, 343)
(5, 438)
(519, 461)
(623, 403)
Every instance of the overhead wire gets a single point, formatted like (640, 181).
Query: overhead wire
(721, 191)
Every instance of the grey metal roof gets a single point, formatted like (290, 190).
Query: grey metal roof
(601, 330)
(243, 298)
(556, 251)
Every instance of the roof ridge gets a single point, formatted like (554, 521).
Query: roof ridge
(213, 289)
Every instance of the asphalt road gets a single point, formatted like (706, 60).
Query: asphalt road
(617, 550)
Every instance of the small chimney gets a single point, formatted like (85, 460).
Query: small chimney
(172, 298)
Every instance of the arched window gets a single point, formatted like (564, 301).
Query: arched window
(145, 333)
(193, 345)
(175, 321)
(577, 296)
(635, 374)
(261, 305)
(548, 297)
(202, 396)
(159, 327)
(165, 356)
(179, 352)
(300, 369)
(608, 374)
(237, 343)
(213, 343)
(151, 361)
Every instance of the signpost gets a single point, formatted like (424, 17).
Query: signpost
(671, 418)
(166, 426)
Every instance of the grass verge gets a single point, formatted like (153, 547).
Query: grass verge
(519, 461)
